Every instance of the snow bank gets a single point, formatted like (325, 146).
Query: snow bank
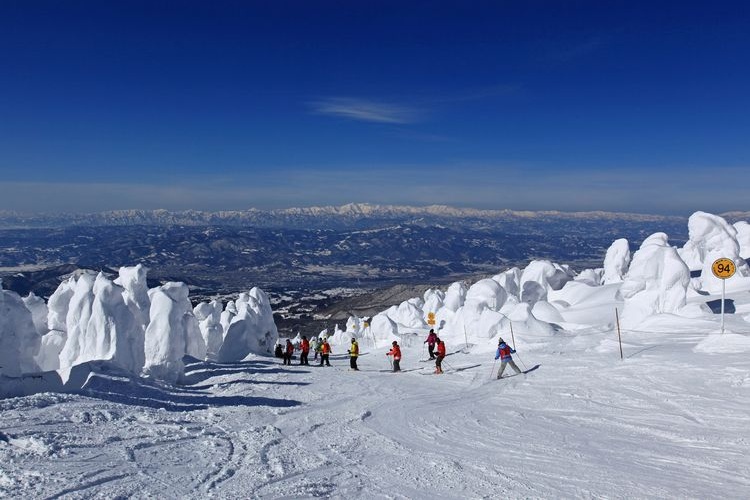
(656, 282)
(39, 312)
(384, 329)
(726, 343)
(208, 315)
(743, 238)
(616, 261)
(711, 238)
(77, 320)
(455, 296)
(475, 314)
(92, 318)
(19, 339)
(251, 330)
(540, 277)
(510, 280)
(172, 332)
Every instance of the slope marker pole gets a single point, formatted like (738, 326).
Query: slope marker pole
(619, 336)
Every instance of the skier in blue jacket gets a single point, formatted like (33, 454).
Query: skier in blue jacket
(503, 353)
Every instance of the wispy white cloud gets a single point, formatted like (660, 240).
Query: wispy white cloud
(365, 110)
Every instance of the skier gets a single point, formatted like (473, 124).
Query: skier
(288, 352)
(353, 353)
(305, 348)
(278, 351)
(396, 353)
(503, 353)
(440, 356)
(431, 340)
(325, 350)
(315, 346)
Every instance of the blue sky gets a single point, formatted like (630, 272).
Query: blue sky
(624, 106)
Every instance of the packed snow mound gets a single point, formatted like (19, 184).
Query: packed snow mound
(434, 300)
(38, 309)
(77, 320)
(208, 315)
(616, 261)
(384, 330)
(455, 296)
(19, 339)
(58, 305)
(743, 238)
(251, 330)
(341, 339)
(540, 277)
(485, 294)
(111, 333)
(473, 315)
(656, 283)
(591, 277)
(135, 293)
(167, 334)
(92, 318)
(546, 312)
(510, 280)
(100, 325)
(726, 343)
(711, 238)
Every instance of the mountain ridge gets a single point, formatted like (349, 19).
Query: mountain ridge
(319, 216)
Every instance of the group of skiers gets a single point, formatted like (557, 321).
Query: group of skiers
(322, 348)
(435, 349)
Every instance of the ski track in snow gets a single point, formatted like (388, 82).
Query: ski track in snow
(666, 422)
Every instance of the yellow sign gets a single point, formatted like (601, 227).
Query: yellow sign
(723, 268)
(430, 319)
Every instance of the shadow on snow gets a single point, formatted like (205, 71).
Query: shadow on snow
(126, 389)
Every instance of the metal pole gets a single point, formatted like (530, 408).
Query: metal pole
(512, 337)
(723, 291)
(619, 337)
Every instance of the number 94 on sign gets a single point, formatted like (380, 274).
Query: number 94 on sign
(723, 268)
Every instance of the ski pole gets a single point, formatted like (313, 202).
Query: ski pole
(493, 369)
(519, 359)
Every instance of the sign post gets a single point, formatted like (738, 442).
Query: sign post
(723, 269)
(431, 319)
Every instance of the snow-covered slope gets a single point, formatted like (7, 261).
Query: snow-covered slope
(670, 421)
(662, 415)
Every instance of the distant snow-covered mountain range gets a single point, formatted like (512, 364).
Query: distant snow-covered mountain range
(349, 215)
(309, 248)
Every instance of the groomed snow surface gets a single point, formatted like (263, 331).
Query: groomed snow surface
(670, 420)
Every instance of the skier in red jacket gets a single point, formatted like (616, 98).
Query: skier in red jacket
(305, 348)
(440, 356)
(288, 352)
(396, 353)
(504, 352)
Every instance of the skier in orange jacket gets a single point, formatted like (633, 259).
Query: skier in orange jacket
(325, 350)
(396, 353)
